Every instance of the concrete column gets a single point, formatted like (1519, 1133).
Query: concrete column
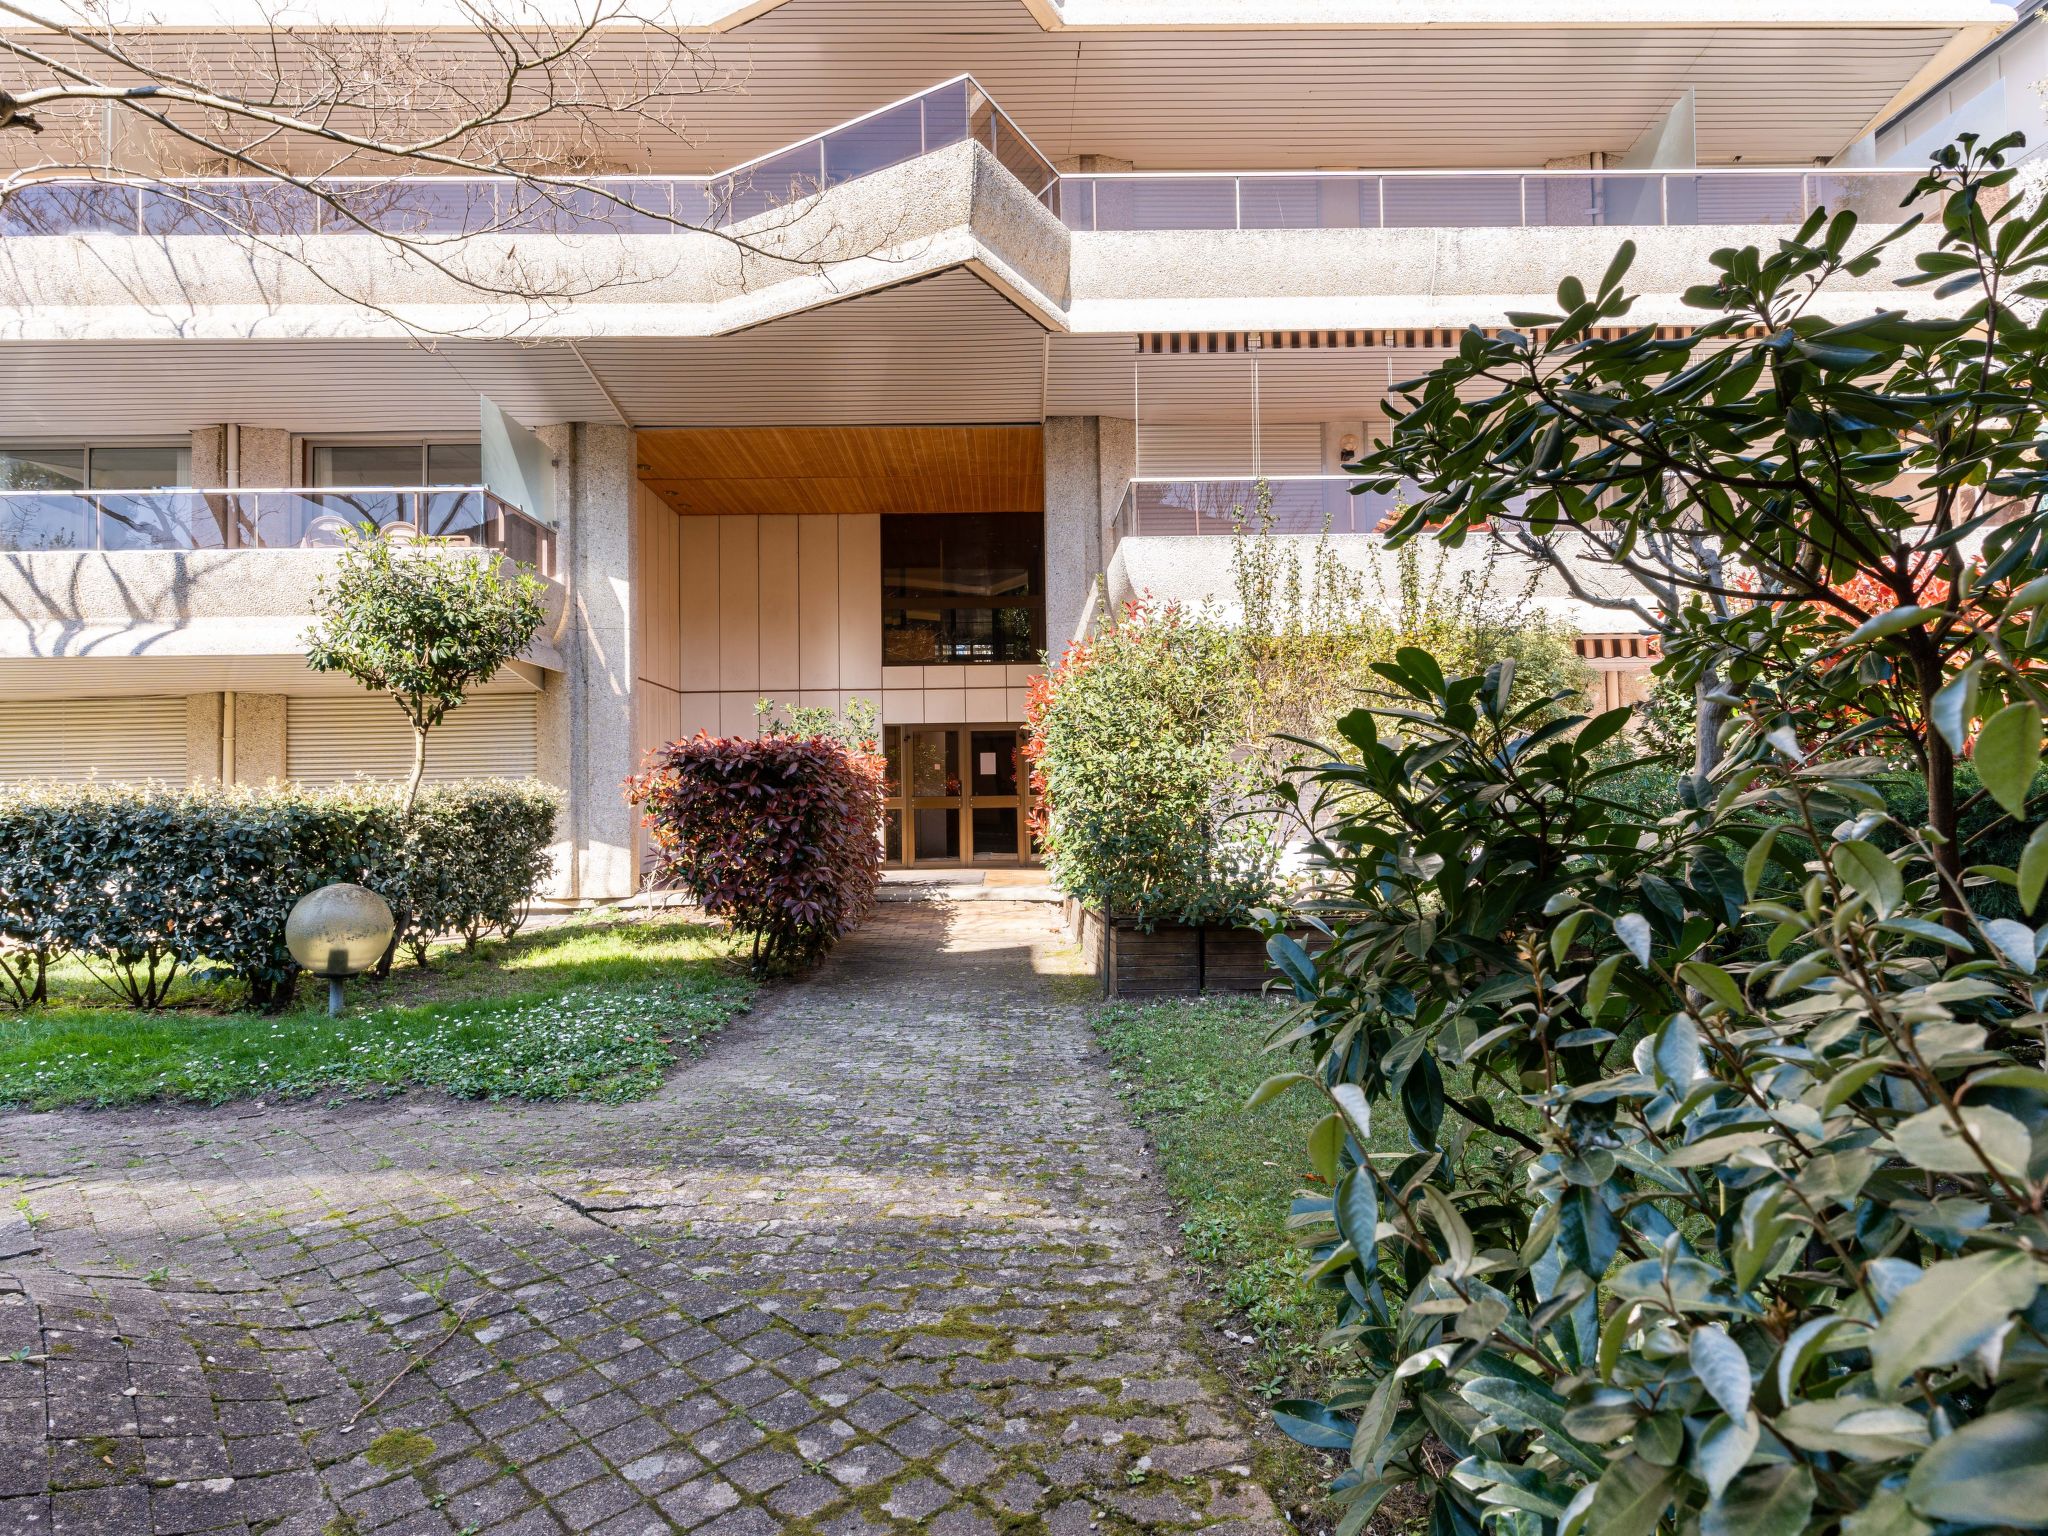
(226, 455)
(587, 740)
(259, 737)
(1073, 523)
(265, 458)
(209, 456)
(244, 732)
(202, 737)
(1089, 461)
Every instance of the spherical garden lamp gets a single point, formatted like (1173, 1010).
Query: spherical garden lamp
(338, 931)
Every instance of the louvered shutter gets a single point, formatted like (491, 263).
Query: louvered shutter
(126, 740)
(332, 739)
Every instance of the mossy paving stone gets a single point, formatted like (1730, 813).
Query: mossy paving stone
(887, 1259)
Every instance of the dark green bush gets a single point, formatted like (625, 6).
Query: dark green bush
(1989, 835)
(145, 883)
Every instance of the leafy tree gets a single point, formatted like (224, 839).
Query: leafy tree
(422, 626)
(1846, 503)
(1767, 1063)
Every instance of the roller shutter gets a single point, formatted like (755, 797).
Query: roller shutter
(113, 740)
(328, 740)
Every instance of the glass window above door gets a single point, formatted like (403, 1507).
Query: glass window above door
(963, 588)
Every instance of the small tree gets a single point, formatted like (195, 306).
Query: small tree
(422, 627)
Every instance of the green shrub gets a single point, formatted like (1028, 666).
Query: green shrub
(145, 883)
(1152, 743)
(1771, 1259)
(780, 835)
(1990, 837)
(1137, 748)
(452, 891)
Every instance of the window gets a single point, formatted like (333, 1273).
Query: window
(963, 588)
(149, 520)
(379, 469)
(114, 469)
(343, 465)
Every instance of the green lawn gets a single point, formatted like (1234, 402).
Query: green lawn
(595, 1008)
(1186, 1068)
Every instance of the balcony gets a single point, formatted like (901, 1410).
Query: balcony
(1472, 199)
(73, 521)
(1167, 508)
(956, 112)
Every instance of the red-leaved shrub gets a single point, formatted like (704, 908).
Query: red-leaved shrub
(780, 836)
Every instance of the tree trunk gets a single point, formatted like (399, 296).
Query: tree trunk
(1941, 799)
(1710, 713)
(419, 769)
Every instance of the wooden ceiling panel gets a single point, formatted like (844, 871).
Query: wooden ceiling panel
(841, 471)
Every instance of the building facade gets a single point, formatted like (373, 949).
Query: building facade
(957, 321)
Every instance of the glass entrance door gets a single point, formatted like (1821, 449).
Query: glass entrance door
(957, 795)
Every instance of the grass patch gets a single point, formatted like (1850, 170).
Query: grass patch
(594, 1008)
(1186, 1068)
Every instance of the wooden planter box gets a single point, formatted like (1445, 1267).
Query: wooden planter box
(1172, 960)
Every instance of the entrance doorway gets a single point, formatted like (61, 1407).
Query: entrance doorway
(958, 795)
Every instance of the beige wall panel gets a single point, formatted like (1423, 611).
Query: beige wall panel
(1017, 699)
(657, 715)
(860, 602)
(819, 698)
(903, 677)
(945, 706)
(779, 605)
(657, 614)
(989, 704)
(736, 715)
(817, 613)
(739, 603)
(697, 603)
(903, 706)
(697, 712)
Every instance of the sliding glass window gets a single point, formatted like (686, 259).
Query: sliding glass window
(963, 588)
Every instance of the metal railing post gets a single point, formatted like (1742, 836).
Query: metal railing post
(1237, 201)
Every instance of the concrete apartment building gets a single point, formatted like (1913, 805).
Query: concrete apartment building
(998, 308)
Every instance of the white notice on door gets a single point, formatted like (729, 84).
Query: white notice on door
(988, 765)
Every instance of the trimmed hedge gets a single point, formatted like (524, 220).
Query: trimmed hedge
(781, 836)
(146, 883)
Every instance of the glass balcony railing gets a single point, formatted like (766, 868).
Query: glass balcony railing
(1174, 508)
(1474, 199)
(955, 112)
(313, 518)
(428, 206)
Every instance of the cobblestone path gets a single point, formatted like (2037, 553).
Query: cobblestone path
(886, 1260)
